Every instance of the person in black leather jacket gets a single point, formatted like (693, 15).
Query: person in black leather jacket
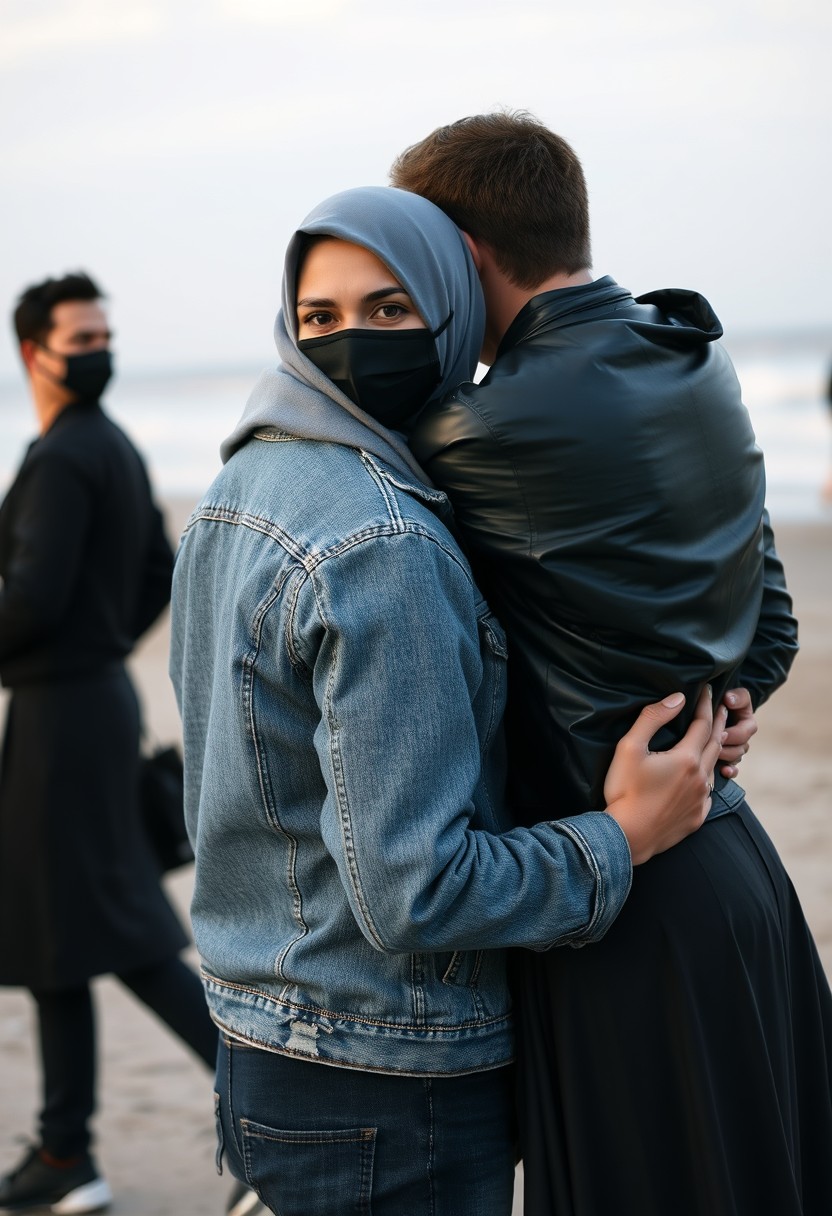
(609, 492)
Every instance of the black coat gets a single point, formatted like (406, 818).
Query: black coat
(610, 495)
(86, 568)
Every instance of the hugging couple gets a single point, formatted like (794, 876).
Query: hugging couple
(466, 672)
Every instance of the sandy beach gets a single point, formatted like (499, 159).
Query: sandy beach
(155, 1122)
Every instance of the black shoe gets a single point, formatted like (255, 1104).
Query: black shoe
(243, 1202)
(65, 1190)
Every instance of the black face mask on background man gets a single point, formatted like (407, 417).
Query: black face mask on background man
(388, 374)
(86, 375)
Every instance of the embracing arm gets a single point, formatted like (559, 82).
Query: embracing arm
(768, 661)
(774, 646)
(402, 687)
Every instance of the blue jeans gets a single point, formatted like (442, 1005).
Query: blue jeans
(313, 1140)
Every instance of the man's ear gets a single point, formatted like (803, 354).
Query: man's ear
(474, 247)
(27, 353)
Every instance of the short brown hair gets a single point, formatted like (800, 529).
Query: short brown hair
(510, 182)
(32, 317)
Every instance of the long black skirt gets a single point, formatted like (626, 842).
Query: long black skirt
(79, 887)
(683, 1065)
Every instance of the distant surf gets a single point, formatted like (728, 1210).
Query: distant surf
(178, 420)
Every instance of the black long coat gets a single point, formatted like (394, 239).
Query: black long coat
(86, 568)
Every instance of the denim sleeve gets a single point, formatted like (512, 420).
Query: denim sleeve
(388, 628)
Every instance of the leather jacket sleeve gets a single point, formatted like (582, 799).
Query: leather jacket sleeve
(774, 647)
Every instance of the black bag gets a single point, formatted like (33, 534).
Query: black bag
(162, 805)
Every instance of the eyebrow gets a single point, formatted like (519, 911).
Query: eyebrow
(84, 335)
(380, 294)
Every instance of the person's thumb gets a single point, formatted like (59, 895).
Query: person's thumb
(653, 717)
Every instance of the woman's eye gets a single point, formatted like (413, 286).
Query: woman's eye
(318, 318)
(391, 312)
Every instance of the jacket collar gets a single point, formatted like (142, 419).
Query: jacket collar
(74, 409)
(563, 306)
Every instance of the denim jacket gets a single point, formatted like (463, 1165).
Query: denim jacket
(342, 683)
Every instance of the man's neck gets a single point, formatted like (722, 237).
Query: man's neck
(504, 299)
(48, 406)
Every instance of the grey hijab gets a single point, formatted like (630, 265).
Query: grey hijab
(427, 254)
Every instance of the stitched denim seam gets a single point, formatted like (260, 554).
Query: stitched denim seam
(365, 1139)
(483, 1064)
(311, 559)
(385, 490)
(378, 532)
(431, 1165)
(293, 651)
(263, 781)
(339, 783)
(356, 1018)
(231, 1116)
(427, 495)
(273, 435)
(244, 519)
(219, 1134)
(450, 972)
(580, 840)
(417, 987)
(358, 1135)
(493, 716)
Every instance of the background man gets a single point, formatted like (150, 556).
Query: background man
(86, 569)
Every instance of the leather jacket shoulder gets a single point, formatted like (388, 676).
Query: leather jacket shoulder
(607, 486)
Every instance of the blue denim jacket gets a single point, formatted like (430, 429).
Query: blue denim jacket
(341, 683)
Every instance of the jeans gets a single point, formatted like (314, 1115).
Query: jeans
(66, 1026)
(316, 1140)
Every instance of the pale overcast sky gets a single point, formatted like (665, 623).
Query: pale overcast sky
(170, 147)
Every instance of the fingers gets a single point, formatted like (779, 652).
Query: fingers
(739, 734)
(729, 754)
(700, 733)
(711, 750)
(738, 701)
(652, 718)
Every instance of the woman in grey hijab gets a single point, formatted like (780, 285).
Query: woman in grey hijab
(341, 683)
(424, 251)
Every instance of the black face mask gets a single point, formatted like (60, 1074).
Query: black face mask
(86, 375)
(389, 374)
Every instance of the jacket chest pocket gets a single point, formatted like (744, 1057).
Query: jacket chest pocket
(461, 969)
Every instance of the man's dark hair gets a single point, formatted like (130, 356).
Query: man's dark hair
(33, 314)
(510, 182)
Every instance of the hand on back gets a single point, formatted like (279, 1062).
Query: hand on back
(659, 798)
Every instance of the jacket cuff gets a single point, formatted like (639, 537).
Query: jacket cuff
(605, 850)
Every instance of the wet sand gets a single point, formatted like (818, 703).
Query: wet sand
(155, 1123)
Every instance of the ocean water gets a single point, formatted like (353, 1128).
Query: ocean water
(178, 419)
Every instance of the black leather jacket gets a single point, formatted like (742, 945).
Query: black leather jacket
(610, 495)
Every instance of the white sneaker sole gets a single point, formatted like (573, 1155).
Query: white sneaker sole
(247, 1203)
(92, 1197)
